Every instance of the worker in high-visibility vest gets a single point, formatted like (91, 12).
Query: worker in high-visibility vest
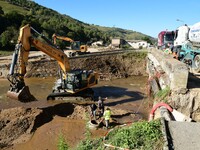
(107, 116)
(101, 106)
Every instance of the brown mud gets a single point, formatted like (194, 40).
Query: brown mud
(38, 125)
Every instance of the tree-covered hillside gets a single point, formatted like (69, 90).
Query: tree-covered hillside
(16, 13)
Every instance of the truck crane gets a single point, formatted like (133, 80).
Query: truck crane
(76, 47)
(71, 82)
(187, 45)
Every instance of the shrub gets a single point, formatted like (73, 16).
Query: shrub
(90, 144)
(62, 145)
(140, 135)
(161, 95)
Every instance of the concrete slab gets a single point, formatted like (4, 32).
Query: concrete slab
(185, 135)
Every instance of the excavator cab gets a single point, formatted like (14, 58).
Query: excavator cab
(78, 79)
(75, 45)
(77, 83)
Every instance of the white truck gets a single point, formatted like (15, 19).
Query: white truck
(187, 45)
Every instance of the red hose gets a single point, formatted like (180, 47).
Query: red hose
(151, 115)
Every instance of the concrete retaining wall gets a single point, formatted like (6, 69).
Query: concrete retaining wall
(165, 71)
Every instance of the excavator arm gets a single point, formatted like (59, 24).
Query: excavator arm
(54, 36)
(66, 84)
(57, 54)
(18, 89)
(75, 45)
(27, 40)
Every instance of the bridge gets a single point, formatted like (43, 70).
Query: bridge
(165, 71)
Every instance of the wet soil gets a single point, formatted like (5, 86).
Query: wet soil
(38, 124)
(41, 130)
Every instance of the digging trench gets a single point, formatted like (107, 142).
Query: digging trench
(18, 123)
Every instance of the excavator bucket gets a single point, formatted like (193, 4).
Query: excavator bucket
(23, 95)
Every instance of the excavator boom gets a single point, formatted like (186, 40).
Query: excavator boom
(54, 36)
(71, 82)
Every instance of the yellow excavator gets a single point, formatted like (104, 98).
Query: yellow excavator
(76, 47)
(71, 82)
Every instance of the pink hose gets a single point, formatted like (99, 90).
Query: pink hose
(151, 115)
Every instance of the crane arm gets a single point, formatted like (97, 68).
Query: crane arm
(57, 54)
(18, 89)
(27, 40)
(54, 36)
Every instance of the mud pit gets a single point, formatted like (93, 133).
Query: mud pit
(37, 125)
(18, 124)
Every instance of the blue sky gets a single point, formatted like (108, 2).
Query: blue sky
(145, 16)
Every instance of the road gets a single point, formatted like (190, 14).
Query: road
(184, 135)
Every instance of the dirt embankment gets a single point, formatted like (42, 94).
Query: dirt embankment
(110, 67)
(15, 123)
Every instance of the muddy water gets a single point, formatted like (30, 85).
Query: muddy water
(123, 95)
(129, 93)
(39, 87)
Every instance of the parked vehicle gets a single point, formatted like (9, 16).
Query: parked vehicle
(187, 45)
(164, 39)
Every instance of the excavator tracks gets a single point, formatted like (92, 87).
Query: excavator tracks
(85, 95)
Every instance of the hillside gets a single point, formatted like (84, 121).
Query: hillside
(7, 8)
(16, 13)
(123, 33)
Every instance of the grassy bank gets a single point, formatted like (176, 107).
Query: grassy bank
(139, 135)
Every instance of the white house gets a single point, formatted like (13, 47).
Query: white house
(137, 44)
(98, 43)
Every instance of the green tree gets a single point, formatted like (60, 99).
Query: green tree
(147, 39)
(14, 18)
(9, 37)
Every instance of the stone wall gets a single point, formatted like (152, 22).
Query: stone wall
(165, 71)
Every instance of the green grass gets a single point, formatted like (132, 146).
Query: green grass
(91, 144)
(9, 7)
(62, 145)
(5, 53)
(123, 33)
(138, 55)
(162, 95)
(140, 135)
